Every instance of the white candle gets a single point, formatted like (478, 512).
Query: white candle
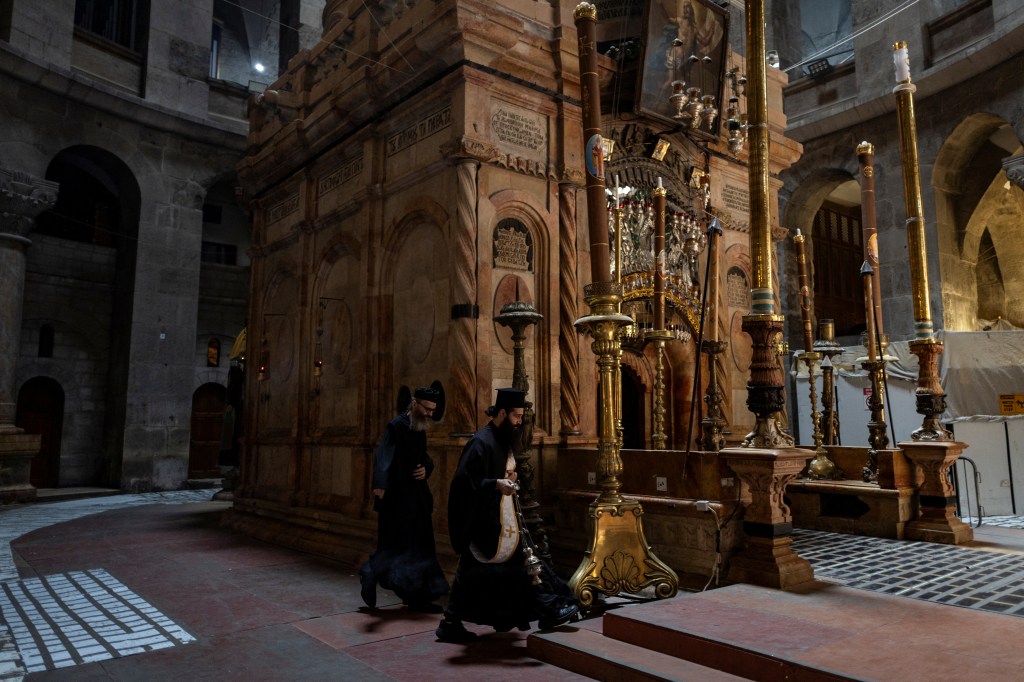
(660, 186)
(901, 61)
(616, 190)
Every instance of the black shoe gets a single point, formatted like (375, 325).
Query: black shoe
(454, 632)
(560, 617)
(368, 582)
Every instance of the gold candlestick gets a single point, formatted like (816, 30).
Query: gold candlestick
(659, 335)
(766, 395)
(866, 156)
(827, 346)
(820, 467)
(805, 292)
(875, 365)
(931, 399)
(619, 558)
(713, 422)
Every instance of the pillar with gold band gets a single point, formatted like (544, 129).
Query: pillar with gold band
(765, 389)
(931, 398)
(931, 449)
(767, 462)
(618, 558)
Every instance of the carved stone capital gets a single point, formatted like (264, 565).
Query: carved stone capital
(22, 198)
(1014, 167)
(572, 176)
(468, 148)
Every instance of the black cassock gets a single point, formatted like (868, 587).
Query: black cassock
(496, 594)
(405, 561)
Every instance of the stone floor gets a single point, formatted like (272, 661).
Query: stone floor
(91, 582)
(945, 574)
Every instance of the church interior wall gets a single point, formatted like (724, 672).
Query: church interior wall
(951, 279)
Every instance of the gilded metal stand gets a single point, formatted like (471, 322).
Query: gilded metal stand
(713, 423)
(877, 436)
(619, 558)
(518, 316)
(827, 346)
(766, 394)
(931, 399)
(820, 467)
(659, 438)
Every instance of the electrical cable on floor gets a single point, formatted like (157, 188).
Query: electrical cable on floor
(718, 550)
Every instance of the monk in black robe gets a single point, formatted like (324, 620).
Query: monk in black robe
(405, 561)
(492, 586)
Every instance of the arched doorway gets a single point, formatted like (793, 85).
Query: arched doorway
(41, 411)
(207, 426)
(93, 225)
(634, 432)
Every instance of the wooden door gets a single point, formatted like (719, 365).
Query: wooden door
(634, 432)
(41, 410)
(207, 425)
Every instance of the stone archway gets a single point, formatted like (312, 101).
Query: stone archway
(825, 208)
(91, 234)
(41, 411)
(978, 213)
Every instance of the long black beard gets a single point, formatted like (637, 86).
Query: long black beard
(507, 431)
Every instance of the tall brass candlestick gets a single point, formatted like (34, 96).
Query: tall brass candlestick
(766, 394)
(931, 398)
(617, 538)
(820, 467)
(590, 99)
(805, 292)
(827, 346)
(866, 157)
(714, 276)
(714, 422)
(659, 256)
(659, 335)
(875, 365)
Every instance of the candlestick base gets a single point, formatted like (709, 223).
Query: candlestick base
(821, 467)
(619, 558)
(659, 439)
(711, 439)
(766, 394)
(931, 399)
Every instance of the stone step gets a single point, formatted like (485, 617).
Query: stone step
(682, 629)
(590, 653)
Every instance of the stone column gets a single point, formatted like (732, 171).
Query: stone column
(937, 520)
(461, 392)
(22, 198)
(568, 293)
(767, 559)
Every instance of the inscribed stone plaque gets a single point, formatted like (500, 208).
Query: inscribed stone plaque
(736, 198)
(519, 132)
(513, 246)
(738, 288)
(421, 130)
(340, 176)
(282, 209)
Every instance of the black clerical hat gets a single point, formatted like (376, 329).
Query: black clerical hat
(435, 394)
(510, 398)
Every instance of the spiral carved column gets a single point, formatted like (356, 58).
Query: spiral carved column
(568, 293)
(462, 403)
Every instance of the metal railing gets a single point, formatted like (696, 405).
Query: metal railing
(966, 497)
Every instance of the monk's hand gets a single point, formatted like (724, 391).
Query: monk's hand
(506, 486)
(420, 472)
(379, 493)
